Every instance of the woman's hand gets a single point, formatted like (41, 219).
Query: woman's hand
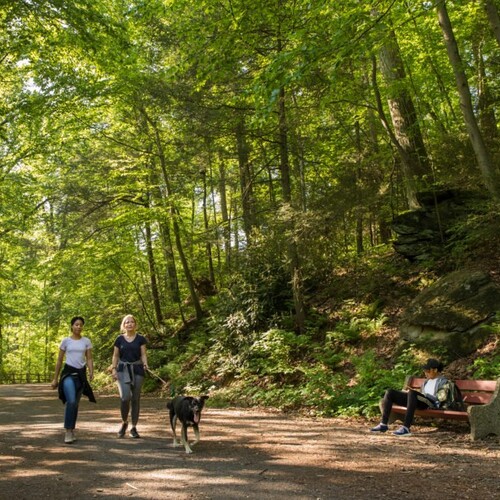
(54, 384)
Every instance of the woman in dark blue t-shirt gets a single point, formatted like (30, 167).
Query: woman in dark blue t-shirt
(128, 365)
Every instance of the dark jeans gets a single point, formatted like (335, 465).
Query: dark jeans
(402, 398)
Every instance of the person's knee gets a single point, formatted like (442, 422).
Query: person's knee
(389, 394)
(72, 404)
(412, 396)
(70, 398)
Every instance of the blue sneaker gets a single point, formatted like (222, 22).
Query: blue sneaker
(380, 428)
(402, 431)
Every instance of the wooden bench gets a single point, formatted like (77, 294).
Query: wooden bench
(482, 406)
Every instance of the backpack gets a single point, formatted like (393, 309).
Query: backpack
(450, 397)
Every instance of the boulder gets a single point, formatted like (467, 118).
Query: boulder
(451, 314)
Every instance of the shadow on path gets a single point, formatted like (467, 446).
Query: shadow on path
(242, 454)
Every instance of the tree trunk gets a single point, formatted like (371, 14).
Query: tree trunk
(226, 223)
(185, 267)
(293, 253)
(493, 18)
(358, 194)
(175, 225)
(152, 274)
(407, 131)
(172, 281)
(488, 171)
(245, 181)
(410, 185)
(208, 244)
(486, 103)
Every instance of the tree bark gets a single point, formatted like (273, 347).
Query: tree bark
(175, 224)
(152, 274)
(493, 18)
(226, 223)
(485, 101)
(245, 181)
(415, 162)
(410, 185)
(208, 244)
(486, 166)
(172, 281)
(293, 253)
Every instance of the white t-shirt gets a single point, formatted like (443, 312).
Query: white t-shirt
(75, 351)
(430, 386)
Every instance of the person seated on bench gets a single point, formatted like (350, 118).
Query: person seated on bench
(413, 399)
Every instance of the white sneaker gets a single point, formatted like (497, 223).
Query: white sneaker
(69, 437)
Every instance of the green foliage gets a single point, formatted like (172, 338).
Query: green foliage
(282, 369)
(142, 145)
(487, 369)
(353, 329)
(370, 382)
(103, 383)
(477, 233)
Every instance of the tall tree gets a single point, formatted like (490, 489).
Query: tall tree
(487, 167)
(407, 133)
(493, 17)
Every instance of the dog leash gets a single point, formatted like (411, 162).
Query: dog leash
(165, 383)
(156, 376)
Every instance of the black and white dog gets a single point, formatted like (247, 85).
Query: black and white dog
(187, 409)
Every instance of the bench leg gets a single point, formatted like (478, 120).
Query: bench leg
(485, 419)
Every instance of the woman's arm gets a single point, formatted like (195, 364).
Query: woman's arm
(59, 363)
(114, 362)
(90, 363)
(144, 356)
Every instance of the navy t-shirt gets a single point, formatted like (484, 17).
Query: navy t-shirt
(131, 351)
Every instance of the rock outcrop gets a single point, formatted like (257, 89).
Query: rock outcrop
(425, 233)
(452, 314)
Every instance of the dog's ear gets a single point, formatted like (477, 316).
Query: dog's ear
(203, 398)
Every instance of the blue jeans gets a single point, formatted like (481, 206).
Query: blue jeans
(72, 388)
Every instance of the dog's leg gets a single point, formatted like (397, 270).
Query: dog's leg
(184, 439)
(196, 434)
(173, 424)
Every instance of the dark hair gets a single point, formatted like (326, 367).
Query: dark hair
(75, 319)
(433, 364)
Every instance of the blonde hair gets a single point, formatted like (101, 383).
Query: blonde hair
(125, 318)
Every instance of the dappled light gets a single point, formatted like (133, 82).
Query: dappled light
(242, 454)
(292, 203)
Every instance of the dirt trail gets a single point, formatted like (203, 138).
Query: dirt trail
(242, 454)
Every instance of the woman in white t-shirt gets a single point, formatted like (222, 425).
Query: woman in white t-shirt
(73, 382)
(413, 399)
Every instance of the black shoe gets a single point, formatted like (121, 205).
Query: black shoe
(380, 428)
(134, 433)
(123, 430)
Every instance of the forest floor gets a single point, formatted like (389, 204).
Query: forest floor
(243, 453)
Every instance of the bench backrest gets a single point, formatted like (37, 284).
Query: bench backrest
(474, 392)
